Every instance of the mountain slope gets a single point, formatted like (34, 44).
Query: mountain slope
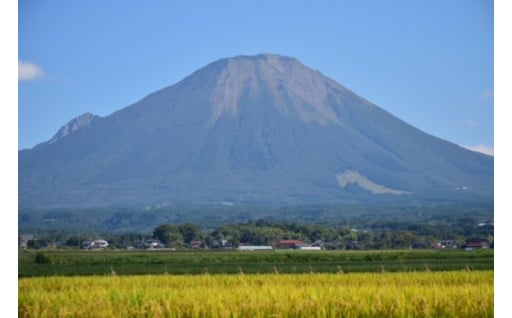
(254, 129)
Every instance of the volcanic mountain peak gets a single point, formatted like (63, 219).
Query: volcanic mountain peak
(293, 87)
(248, 129)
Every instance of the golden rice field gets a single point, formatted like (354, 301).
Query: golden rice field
(405, 294)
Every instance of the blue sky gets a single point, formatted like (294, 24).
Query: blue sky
(430, 63)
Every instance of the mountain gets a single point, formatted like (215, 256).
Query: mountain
(247, 129)
(73, 125)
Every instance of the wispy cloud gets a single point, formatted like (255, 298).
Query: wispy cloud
(488, 150)
(28, 71)
(488, 93)
(471, 123)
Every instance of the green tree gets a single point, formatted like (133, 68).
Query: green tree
(190, 232)
(73, 241)
(37, 244)
(404, 239)
(168, 234)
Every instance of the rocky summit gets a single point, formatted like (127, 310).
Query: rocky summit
(258, 129)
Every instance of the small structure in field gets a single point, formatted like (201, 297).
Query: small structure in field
(195, 244)
(153, 244)
(476, 243)
(291, 243)
(309, 248)
(255, 248)
(23, 240)
(94, 245)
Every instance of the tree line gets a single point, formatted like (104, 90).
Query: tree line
(265, 232)
(384, 235)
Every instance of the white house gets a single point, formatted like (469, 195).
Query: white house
(96, 244)
(309, 248)
(255, 248)
(24, 238)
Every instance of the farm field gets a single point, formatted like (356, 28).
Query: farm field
(389, 294)
(107, 262)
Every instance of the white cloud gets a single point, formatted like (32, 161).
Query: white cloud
(28, 71)
(488, 150)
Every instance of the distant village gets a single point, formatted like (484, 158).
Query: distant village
(264, 235)
(26, 241)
